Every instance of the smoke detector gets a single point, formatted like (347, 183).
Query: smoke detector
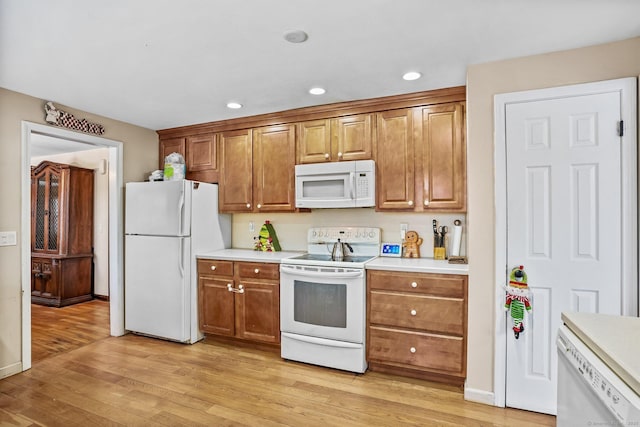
(295, 36)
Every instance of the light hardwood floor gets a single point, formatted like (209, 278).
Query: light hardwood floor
(134, 380)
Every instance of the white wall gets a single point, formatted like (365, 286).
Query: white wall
(93, 159)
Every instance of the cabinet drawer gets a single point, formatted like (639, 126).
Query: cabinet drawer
(444, 285)
(416, 349)
(211, 266)
(256, 270)
(435, 314)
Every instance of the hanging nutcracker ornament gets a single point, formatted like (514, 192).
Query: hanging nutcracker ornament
(517, 302)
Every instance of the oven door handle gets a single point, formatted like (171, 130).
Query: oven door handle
(321, 341)
(337, 275)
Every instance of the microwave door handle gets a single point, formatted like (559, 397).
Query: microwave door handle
(352, 176)
(339, 275)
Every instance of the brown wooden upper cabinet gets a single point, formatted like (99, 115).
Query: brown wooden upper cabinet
(258, 170)
(337, 139)
(421, 159)
(200, 153)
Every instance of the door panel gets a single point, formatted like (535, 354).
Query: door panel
(563, 225)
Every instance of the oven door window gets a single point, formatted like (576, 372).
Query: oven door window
(320, 304)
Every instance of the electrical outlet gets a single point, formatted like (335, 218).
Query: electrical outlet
(403, 230)
(252, 227)
(7, 238)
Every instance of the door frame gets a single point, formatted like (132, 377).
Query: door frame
(628, 95)
(116, 280)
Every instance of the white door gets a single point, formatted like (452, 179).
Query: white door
(160, 208)
(157, 286)
(564, 225)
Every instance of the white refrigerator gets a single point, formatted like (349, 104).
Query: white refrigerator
(167, 223)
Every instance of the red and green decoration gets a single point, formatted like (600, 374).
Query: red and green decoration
(267, 239)
(517, 301)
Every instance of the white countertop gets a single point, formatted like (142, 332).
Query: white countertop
(248, 255)
(417, 265)
(614, 339)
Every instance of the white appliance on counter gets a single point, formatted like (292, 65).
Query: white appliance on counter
(350, 184)
(166, 224)
(323, 301)
(590, 392)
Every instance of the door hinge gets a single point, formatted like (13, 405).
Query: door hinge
(621, 128)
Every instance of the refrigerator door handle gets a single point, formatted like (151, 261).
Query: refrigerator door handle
(180, 214)
(181, 260)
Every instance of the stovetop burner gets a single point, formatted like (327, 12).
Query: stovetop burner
(364, 241)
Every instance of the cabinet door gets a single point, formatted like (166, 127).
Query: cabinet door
(202, 153)
(46, 205)
(171, 145)
(44, 278)
(395, 177)
(236, 190)
(258, 312)
(352, 137)
(274, 168)
(441, 136)
(216, 305)
(314, 142)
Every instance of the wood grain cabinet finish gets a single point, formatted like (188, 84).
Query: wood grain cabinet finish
(200, 153)
(258, 170)
(61, 234)
(239, 299)
(427, 143)
(338, 139)
(416, 325)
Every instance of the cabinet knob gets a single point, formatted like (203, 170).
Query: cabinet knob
(229, 287)
(213, 267)
(259, 205)
(426, 202)
(240, 289)
(414, 285)
(248, 205)
(410, 202)
(340, 154)
(412, 349)
(326, 155)
(413, 312)
(257, 270)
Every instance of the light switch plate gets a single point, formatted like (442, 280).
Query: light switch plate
(7, 238)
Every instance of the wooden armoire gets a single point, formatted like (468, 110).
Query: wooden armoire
(61, 234)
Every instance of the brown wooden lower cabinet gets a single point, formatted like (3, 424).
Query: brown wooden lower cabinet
(240, 300)
(417, 325)
(59, 281)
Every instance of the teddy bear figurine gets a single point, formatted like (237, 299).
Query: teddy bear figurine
(412, 244)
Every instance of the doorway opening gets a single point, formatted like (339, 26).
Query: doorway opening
(32, 135)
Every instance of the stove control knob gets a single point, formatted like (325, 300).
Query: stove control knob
(616, 399)
(372, 234)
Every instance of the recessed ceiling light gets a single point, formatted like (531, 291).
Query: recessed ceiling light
(295, 36)
(316, 91)
(412, 75)
(234, 105)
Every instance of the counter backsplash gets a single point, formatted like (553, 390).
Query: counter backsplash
(291, 228)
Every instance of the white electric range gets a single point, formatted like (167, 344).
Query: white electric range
(323, 300)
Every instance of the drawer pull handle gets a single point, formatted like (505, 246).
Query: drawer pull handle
(213, 267)
(257, 270)
(340, 154)
(412, 349)
(414, 285)
(413, 312)
(326, 155)
(240, 289)
(248, 205)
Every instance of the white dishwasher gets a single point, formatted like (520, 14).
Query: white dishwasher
(590, 393)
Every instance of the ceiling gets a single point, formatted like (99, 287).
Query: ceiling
(162, 63)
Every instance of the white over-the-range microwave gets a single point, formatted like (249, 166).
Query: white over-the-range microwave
(336, 185)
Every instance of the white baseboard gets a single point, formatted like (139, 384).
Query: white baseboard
(13, 369)
(480, 396)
